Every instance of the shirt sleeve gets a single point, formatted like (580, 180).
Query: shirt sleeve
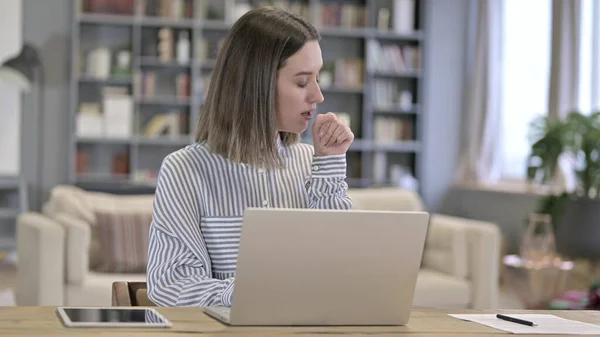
(327, 187)
(179, 267)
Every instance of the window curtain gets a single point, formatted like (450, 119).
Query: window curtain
(564, 71)
(480, 155)
(564, 78)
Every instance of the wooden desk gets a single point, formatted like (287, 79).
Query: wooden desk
(43, 321)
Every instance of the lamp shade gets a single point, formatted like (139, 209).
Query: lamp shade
(20, 70)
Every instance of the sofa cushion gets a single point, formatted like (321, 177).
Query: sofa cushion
(83, 204)
(385, 198)
(441, 291)
(69, 200)
(123, 241)
(446, 247)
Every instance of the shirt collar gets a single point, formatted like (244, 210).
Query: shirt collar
(280, 145)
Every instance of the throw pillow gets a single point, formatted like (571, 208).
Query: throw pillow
(123, 241)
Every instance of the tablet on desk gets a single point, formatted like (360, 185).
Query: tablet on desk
(112, 317)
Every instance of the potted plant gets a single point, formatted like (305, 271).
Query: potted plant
(575, 212)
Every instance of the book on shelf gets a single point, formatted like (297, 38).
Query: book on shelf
(201, 50)
(122, 7)
(342, 15)
(145, 83)
(183, 87)
(203, 84)
(391, 94)
(120, 163)
(342, 73)
(393, 57)
(171, 9)
(390, 129)
(81, 162)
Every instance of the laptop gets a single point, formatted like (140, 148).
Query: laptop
(325, 267)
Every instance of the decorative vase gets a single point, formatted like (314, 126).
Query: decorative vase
(538, 243)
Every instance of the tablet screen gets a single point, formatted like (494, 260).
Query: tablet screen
(113, 316)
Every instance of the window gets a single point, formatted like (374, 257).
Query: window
(526, 71)
(589, 58)
(585, 58)
(595, 70)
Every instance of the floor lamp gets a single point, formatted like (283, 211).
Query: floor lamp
(23, 71)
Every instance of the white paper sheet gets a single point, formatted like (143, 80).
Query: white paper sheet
(546, 324)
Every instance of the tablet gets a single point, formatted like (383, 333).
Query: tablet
(112, 317)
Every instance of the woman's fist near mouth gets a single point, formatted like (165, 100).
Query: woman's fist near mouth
(331, 136)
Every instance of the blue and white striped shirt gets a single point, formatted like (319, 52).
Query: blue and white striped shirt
(198, 209)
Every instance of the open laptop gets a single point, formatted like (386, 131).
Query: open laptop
(325, 267)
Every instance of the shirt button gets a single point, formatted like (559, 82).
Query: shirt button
(265, 203)
(261, 171)
(315, 168)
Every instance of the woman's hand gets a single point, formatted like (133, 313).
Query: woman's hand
(331, 136)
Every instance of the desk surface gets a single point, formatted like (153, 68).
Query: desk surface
(43, 321)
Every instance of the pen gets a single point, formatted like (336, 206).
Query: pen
(515, 320)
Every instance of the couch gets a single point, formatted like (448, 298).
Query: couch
(56, 248)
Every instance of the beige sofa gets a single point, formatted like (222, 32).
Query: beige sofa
(54, 248)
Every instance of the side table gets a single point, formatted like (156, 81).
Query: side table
(536, 284)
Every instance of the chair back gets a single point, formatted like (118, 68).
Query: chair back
(128, 294)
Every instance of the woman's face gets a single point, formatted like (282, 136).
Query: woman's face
(297, 89)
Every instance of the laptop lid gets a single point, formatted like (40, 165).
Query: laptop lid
(327, 267)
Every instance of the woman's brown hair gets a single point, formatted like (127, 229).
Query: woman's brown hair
(237, 119)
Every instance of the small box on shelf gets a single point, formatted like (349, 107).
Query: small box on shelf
(89, 123)
(118, 116)
(111, 118)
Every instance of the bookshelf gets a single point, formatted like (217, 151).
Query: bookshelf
(13, 201)
(141, 68)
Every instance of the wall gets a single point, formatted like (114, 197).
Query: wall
(508, 210)
(47, 25)
(444, 58)
(10, 97)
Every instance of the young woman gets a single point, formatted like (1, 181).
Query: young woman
(263, 92)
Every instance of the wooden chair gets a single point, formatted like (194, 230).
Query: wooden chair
(127, 294)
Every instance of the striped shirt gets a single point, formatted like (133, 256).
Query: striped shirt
(198, 208)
